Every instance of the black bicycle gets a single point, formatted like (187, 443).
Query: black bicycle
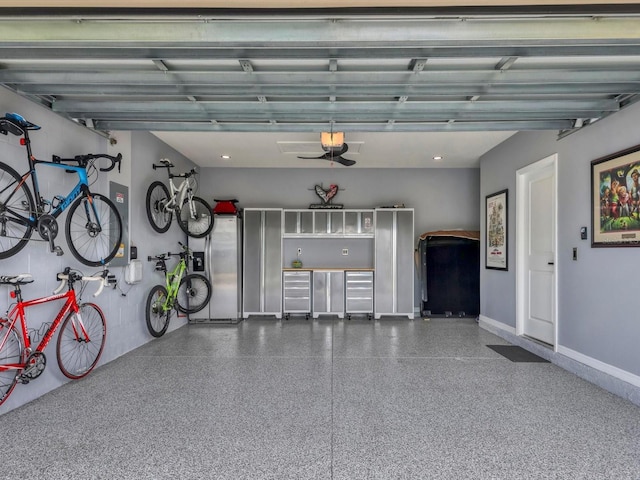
(93, 227)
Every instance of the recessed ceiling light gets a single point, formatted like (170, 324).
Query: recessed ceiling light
(437, 158)
(225, 157)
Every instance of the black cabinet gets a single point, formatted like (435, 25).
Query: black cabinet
(450, 274)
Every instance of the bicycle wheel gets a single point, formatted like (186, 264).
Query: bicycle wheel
(157, 317)
(11, 353)
(159, 217)
(194, 293)
(16, 207)
(201, 223)
(94, 230)
(81, 341)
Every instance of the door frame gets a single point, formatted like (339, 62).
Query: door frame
(522, 204)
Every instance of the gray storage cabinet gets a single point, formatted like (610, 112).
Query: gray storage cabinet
(328, 293)
(262, 266)
(359, 293)
(296, 292)
(394, 266)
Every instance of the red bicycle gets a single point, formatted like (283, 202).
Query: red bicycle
(80, 341)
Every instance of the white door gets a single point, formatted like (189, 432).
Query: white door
(537, 250)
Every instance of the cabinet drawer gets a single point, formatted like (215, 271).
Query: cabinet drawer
(297, 304)
(360, 292)
(303, 276)
(359, 305)
(296, 292)
(359, 276)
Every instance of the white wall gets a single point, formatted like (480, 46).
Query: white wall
(123, 307)
(598, 316)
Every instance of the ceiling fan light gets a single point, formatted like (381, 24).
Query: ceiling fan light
(331, 139)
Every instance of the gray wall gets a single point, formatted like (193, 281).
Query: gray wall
(597, 307)
(442, 198)
(126, 327)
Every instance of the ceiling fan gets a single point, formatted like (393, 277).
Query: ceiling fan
(334, 147)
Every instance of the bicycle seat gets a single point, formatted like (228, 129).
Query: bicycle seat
(16, 124)
(20, 279)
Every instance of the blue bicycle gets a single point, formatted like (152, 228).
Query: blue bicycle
(93, 226)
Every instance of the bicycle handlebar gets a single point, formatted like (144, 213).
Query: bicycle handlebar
(67, 275)
(166, 163)
(82, 160)
(186, 252)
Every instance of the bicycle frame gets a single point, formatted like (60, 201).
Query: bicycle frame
(82, 187)
(18, 313)
(172, 282)
(178, 195)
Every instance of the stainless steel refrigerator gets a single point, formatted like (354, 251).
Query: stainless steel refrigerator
(219, 257)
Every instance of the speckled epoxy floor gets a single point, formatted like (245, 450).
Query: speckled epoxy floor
(324, 399)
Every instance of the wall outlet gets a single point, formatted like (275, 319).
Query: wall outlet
(345, 251)
(299, 251)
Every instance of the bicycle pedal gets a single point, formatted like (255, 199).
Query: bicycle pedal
(58, 251)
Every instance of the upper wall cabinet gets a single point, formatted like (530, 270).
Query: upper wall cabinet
(329, 223)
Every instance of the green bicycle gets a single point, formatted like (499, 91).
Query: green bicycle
(186, 293)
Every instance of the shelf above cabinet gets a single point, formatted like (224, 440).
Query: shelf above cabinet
(328, 223)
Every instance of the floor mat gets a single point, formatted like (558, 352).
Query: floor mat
(516, 354)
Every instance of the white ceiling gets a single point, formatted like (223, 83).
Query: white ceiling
(404, 85)
(368, 149)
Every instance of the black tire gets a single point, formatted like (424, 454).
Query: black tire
(157, 197)
(93, 241)
(201, 225)
(157, 317)
(11, 352)
(81, 341)
(15, 231)
(194, 293)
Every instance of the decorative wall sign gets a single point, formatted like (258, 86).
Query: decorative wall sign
(615, 199)
(496, 231)
(326, 196)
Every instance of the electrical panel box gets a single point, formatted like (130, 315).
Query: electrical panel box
(133, 272)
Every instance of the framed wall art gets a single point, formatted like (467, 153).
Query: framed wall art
(496, 231)
(615, 199)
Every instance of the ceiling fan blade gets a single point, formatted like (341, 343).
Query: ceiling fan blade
(334, 155)
(344, 161)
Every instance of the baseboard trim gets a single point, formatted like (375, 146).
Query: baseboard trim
(601, 366)
(613, 379)
(490, 322)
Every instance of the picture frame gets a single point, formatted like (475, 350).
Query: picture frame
(615, 199)
(496, 230)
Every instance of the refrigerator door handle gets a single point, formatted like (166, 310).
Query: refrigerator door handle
(208, 258)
